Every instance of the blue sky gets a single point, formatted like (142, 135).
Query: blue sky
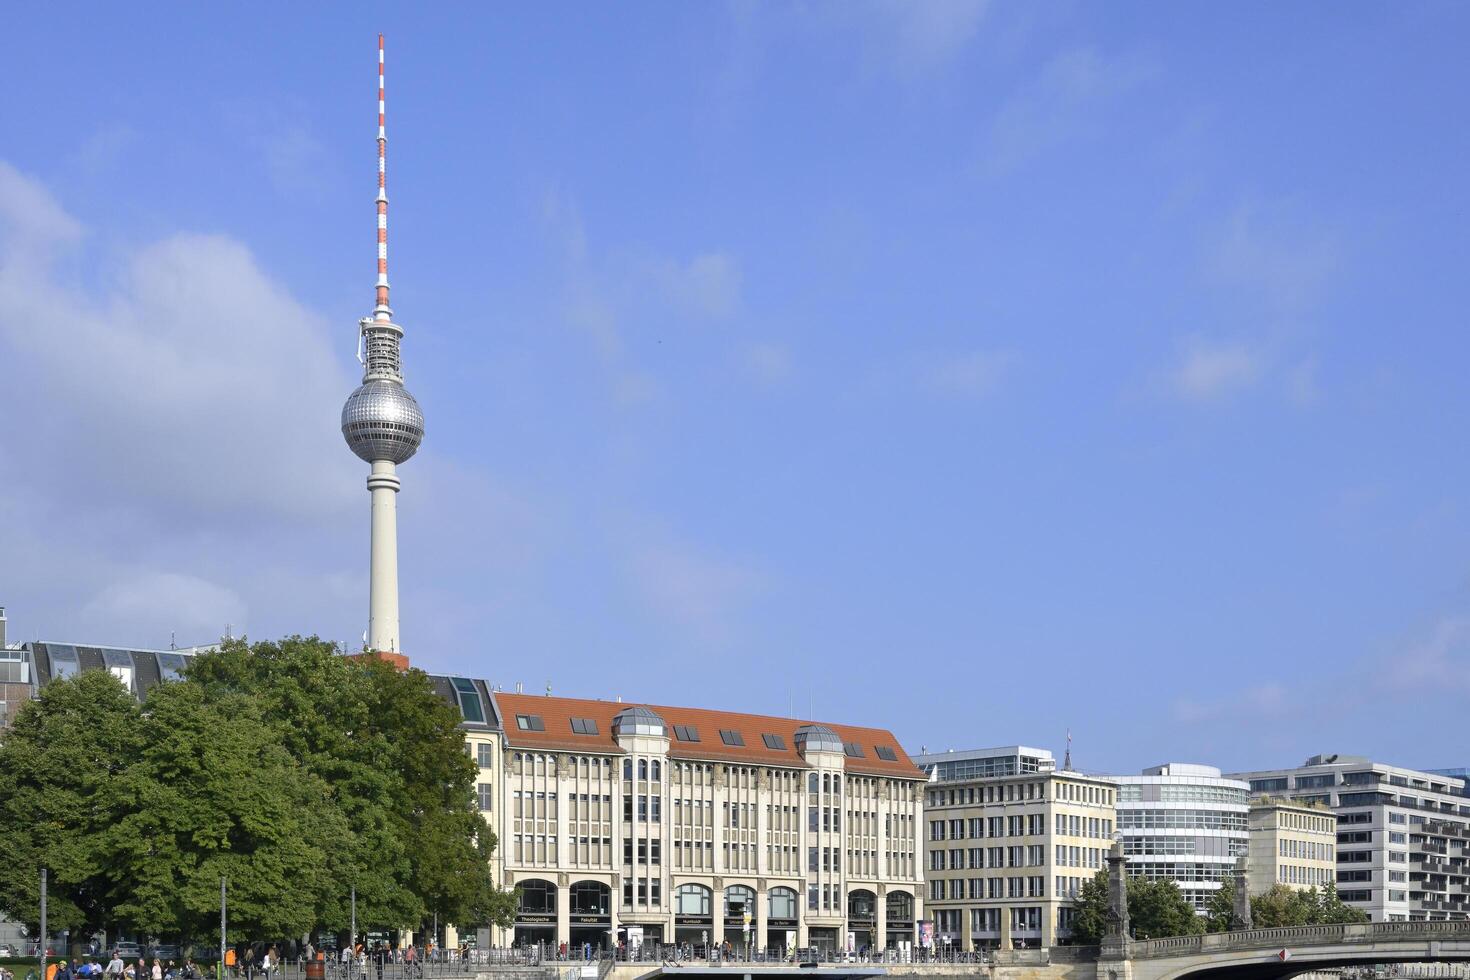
(978, 371)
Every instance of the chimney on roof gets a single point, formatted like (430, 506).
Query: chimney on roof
(2, 627)
(519, 688)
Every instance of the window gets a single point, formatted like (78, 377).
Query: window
(782, 903)
(731, 737)
(1268, 785)
(584, 726)
(485, 755)
(485, 793)
(885, 753)
(469, 700)
(854, 750)
(776, 744)
(530, 723)
(686, 733)
(64, 661)
(171, 665)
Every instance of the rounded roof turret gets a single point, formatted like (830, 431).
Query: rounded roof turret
(817, 738)
(638, 720)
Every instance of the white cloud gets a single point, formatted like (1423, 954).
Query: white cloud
(617, 297)
(926, 34)
(967, 375)
(30, 216)
(1062, 103)
(769, 363)
(192, 379)
(707, 285)
(1206, 372)
(699, 593)
(1259, 702)
(161, 602)
(1440, 663)
(1285, 260)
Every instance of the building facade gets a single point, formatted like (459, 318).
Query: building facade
(648, 824)
(1009, 842)
(1292, 844)
(1184, 823)
(1403, 836)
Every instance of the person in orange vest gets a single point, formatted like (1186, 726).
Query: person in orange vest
(230, 960)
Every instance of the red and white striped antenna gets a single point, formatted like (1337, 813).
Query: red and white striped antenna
(382, 312)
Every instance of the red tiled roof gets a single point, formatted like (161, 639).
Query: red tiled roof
(557, 714)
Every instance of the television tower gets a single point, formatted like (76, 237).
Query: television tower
(382, 422)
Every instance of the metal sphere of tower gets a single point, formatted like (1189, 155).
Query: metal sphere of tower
(381, 421)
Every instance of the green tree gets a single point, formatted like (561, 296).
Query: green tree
(1157, 908)
(216, 796)
(1282, 905)
(392, 754)
(1332, 909)
(1091, 922)
(1220, 911)
(60, 792)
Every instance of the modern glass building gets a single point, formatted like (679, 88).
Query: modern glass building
(1185, 823)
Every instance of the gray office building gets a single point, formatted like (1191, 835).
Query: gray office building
(1403, 835)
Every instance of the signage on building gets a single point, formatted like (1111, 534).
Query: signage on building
(535, 919)
(691, 920)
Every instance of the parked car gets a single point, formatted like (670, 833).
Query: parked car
(128, 951)
(7, 950)
(164, 951)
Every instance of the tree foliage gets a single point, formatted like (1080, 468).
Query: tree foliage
(1220, 910)
(1156, 908)
(61, 765)
(1283, 905)
(293, 772)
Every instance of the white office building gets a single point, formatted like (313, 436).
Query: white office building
(1185, 823)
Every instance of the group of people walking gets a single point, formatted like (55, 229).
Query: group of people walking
(117, 969)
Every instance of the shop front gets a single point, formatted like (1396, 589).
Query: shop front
(862, 921)
(535, 913)
(694, 921)
(898, 918)
(781, 924)
(591, 916)
(824, 939)
(740, 917)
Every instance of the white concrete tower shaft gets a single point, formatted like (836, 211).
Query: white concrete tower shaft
(381, 421)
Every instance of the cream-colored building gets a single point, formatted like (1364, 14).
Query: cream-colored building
(1291, 844)
(643, 824)
(1010, 842)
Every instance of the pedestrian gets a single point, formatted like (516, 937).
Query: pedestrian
(62, 971)
(157, 972)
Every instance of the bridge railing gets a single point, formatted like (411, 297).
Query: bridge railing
(1287, 936)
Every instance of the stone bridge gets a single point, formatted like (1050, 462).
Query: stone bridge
(1274, 954)
(1256, 954)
